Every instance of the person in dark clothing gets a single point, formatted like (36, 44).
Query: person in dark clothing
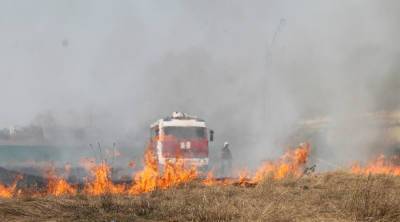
(226, 161)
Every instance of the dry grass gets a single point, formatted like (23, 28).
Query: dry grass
(326, 197)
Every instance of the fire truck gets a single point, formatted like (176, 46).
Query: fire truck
(181, 136)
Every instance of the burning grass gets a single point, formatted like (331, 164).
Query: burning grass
(278, 191)
(337, 196)
(151, 178)
(290, 163)
(380, 165)
(9, 191)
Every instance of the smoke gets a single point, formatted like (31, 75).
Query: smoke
(110, 69)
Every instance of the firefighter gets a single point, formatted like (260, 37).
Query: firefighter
(226, 160)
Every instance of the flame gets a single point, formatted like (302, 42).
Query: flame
(176, 173)
(146, 180)
(8, 191)
(210, 179)
(380, 165)
(243, 176)
(291, 163)
(150, 178)
(57, 185)
(101, 183)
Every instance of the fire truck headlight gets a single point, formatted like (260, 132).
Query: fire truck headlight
(182, 145)
(188, 145)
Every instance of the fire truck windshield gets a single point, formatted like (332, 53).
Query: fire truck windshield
(186, 132)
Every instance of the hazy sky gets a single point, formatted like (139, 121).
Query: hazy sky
(124, 64)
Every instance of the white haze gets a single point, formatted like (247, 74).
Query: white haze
(117, 66)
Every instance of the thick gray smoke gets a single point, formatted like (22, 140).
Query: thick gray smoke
(252, 69)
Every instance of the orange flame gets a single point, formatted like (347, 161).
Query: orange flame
(146, 180)
(380, 165)
(150, 178)
(243, 176)
(291, 163)
(176, 173)
(102, 184)
(8, 191)
(172, 174)
(57, 185)
(210, 179)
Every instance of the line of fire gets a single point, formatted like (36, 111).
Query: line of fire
(177, 153)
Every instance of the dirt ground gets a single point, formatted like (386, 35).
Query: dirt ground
(334, 196)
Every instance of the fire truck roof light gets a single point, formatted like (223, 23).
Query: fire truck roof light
(182, 115)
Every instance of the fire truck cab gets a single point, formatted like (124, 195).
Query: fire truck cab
(181, 136)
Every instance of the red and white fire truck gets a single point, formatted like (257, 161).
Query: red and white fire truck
(181, 136)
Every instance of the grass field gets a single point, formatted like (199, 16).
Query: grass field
(324, 197)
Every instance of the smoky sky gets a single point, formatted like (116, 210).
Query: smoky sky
(117, 66)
